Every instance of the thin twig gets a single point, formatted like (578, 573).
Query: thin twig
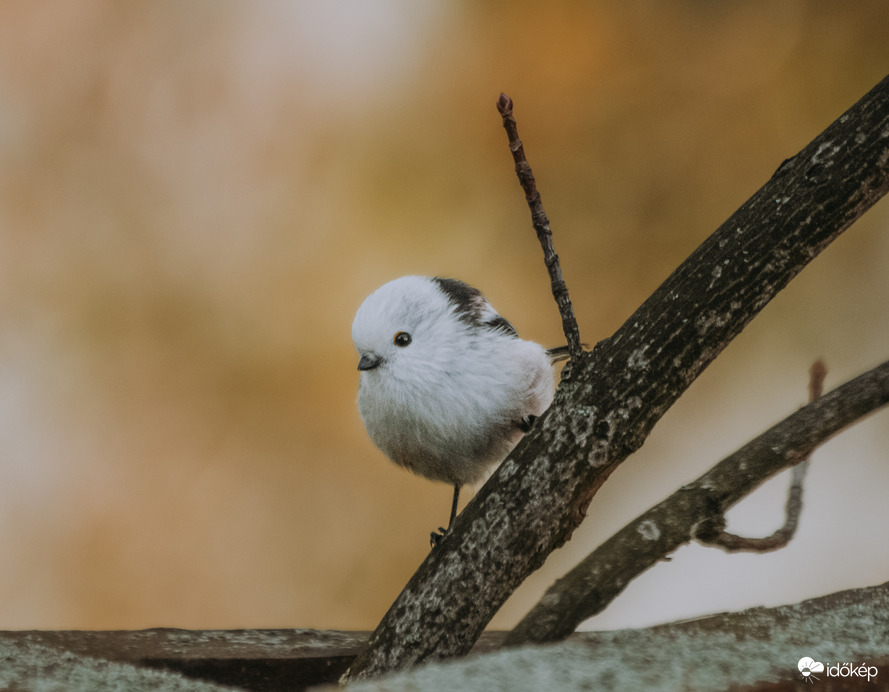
(541, 227)
(716, 535)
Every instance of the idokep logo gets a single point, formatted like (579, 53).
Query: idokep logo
(809, 666)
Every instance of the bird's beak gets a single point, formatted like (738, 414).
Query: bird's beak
(369, 361)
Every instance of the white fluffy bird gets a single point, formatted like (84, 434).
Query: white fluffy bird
(447, 386)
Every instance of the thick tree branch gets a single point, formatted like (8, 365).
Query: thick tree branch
(588, 588)
(611, 397)
(754, 650)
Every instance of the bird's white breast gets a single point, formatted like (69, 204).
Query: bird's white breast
(452, 415)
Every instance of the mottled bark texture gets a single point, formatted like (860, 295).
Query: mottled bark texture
(754, 650)
(686, 515)
(611, 397)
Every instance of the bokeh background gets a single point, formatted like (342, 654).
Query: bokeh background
(196, 196)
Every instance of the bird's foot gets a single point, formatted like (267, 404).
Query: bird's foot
(436, 536)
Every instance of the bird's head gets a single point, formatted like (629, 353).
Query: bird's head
(406, 326)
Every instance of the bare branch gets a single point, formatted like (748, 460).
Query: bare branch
(611, 397)
(717, 536)
(588, 588)
(817, 375)
(541, 226)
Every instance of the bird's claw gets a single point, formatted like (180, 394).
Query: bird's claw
(436, 536)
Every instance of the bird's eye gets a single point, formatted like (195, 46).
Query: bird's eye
(402, 339)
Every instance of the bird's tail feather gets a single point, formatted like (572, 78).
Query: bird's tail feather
(558, 353)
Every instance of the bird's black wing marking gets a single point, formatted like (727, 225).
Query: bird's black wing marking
(468, 302)
(472, 307)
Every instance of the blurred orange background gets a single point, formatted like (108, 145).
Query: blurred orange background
(195, 197)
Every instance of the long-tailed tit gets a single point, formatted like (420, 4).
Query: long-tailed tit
(447, 386)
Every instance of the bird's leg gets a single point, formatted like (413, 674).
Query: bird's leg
(436, 536)
(453, 507)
